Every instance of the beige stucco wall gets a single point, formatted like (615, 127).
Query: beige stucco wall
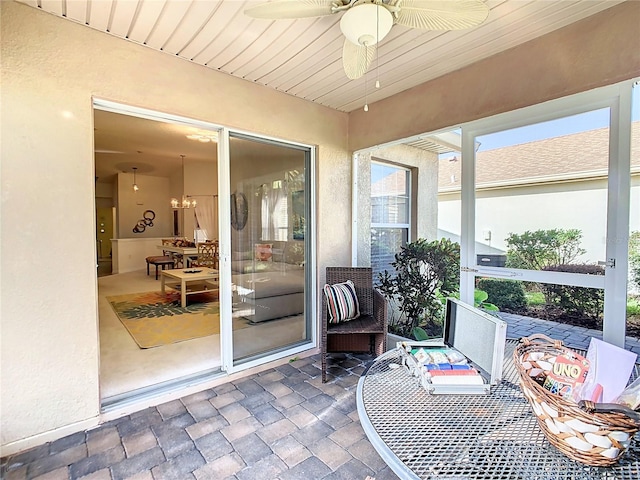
(581, 205)
(600, 50)
(51, 68)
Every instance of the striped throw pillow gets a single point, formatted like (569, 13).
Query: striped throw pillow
(342, 302)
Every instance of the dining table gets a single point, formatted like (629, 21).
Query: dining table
(466, 437)
(188, 253)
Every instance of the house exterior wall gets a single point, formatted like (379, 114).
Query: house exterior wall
(602, 49)
(580, 205)
(424, 190)
(50, 70)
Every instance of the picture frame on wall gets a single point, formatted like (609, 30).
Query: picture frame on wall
(239, 210)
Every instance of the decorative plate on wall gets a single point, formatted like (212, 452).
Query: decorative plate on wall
(239, 210)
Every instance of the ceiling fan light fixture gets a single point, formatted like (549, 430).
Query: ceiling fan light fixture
(366, 24)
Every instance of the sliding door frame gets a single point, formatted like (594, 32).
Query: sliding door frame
(224, 215)
(224, 187)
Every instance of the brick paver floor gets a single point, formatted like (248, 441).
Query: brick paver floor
(283, 423)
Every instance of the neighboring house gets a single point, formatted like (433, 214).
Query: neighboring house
(52, 70)
(559, 182)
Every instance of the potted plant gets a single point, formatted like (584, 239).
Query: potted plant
(425, 272)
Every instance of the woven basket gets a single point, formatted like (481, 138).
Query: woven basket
(593, 434)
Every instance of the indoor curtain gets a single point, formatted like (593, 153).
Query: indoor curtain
(271, 221)
(207, 215)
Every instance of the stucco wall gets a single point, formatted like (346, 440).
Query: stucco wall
(51, 68)
(580, 205)
(600, 50)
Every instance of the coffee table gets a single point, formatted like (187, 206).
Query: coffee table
(189, 281)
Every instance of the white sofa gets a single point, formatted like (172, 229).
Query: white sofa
(272, 288)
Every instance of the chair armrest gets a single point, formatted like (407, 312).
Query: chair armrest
(380, 308)
(325, 316)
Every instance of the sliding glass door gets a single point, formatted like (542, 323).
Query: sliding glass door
(269, 239)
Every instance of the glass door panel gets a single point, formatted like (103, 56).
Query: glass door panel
(269, 237)
(541, 213)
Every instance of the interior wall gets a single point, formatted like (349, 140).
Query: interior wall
(51, 68)
(599, 50)
(153, 194)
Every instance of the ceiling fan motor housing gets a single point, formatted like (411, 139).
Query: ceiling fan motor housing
(366, 24)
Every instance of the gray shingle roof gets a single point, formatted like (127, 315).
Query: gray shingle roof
(570, 157)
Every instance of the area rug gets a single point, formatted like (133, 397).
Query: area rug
(154, 319)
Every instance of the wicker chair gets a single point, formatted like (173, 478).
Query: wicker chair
(368, 333)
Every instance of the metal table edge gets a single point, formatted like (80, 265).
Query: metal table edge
(390, 458)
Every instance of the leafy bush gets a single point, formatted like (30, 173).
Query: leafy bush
(634, 259)
(425, 272)
(480, 301)
(543, 248)
(507, 295)
(579, 301)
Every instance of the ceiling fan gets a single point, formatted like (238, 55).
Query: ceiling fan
(365, 23)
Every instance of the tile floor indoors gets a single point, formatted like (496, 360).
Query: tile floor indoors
(125, 367)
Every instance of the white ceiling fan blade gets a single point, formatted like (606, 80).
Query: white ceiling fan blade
(356, 59)
(280, 9)
(441, 14)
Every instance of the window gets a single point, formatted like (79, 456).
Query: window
(390, 213)
(275, 216)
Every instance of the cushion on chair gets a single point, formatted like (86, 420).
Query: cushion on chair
(342, 302)
(159, 259)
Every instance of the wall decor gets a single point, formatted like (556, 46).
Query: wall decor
(147, 221)
(239, 210)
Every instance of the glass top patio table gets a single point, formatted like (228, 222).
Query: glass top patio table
(460, 437)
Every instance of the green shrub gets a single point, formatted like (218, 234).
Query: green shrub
(507, 295)
(424, 273)
(480, 298)
(634, 258)
(578, 301)
(543, 248)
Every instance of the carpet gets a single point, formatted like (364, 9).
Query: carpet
(154, 319)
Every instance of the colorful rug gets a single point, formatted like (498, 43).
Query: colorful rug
(154, 319)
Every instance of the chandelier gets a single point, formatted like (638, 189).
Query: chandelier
(186, 200)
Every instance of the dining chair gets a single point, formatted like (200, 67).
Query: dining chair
(208, 255)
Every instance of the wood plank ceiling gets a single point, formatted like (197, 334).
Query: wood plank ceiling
(303, 57)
